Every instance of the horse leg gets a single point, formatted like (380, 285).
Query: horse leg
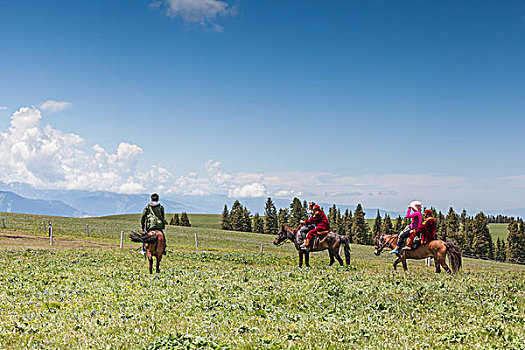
(438, 263)
(301, 259)
(332, 260)
(159, 258)
(404, 262)
(396, 262)
(338, 257)
(150, 264)
(307, 259)
(442, 260)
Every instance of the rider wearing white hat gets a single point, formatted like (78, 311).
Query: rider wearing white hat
(417, 220)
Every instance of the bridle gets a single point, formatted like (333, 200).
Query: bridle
(381, 244)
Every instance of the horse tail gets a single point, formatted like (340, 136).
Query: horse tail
(346, 247)
(454, 255)
(143, 238)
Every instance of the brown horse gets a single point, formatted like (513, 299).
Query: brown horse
(331, 241)
(436, 248)
(154, 243)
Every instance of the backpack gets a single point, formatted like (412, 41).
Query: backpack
(153, 222)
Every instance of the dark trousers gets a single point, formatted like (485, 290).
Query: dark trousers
(403, 236)
(304, 231)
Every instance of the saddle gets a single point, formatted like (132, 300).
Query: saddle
(416, 243)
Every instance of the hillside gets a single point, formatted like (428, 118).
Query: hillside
(226, 294)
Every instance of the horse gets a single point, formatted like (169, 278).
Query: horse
(154, 243)
(435, 248)
(332, 242)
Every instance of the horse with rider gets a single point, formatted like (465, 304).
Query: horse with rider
(314, 235)
(418, 241)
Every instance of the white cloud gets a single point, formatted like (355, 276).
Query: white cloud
(3, 108)
(54, 106)
(248, 191)
(203, 12)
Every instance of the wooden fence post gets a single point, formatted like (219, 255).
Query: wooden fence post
(44, 224)
(87, 229)
(262, 248)
(3, 222)
(121, 239)
(50, 234)
(196, 241)
(428, 261)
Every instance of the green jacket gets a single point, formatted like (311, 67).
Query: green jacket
(153, 217)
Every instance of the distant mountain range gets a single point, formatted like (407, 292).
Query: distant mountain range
(23, 198)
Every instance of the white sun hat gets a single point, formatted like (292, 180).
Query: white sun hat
(416, 205)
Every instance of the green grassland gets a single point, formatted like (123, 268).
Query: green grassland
(226, 294)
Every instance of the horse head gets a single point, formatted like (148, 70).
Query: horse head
(281, 236)
(379, 244)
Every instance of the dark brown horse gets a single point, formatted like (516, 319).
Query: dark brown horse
(436, 248)
(154, 243)
(332, 242)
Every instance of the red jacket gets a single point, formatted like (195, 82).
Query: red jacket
(320, 221)
(428, 230)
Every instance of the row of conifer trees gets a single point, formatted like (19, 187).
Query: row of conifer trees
(182, 221)
(350, 224)
(472, 234)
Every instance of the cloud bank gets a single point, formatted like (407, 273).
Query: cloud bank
(47, 158)
(54, 106)
(202, 12)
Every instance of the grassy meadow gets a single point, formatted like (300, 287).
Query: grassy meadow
(85, 293)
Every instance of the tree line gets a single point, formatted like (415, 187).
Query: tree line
(182, 221)
(349, 224)
(472, 234)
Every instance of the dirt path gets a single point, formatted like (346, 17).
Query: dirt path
(16, 240)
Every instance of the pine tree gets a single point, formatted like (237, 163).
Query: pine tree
(347, 222)
(378, 223)
(226, 224)
(360, 229)
(452, 226)
(516, 241)
(399, 224)
(175, 220)
(184, 220)
(296, 213)
(440, 225)
(283, 217)
(340, 225)
(258, 224)
(482, 244)
(387, 228)
(247, 221)
(304, 213)
(270, 220)
(500, 250)
(237, 217)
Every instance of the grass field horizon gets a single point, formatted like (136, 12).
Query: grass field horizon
(84, 292)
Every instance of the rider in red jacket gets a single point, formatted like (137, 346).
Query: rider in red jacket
(322, 225)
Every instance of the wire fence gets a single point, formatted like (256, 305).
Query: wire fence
(117, 231)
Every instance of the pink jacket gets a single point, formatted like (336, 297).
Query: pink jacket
(417, 219)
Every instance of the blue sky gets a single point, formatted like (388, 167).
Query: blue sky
(378, 102)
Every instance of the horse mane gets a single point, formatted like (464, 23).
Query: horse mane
(294, 230)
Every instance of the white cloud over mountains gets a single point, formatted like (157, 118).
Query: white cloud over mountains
(203, 12)
(54, 106)
(48, 158)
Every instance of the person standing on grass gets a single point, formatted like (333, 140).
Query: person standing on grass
(153, 218)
